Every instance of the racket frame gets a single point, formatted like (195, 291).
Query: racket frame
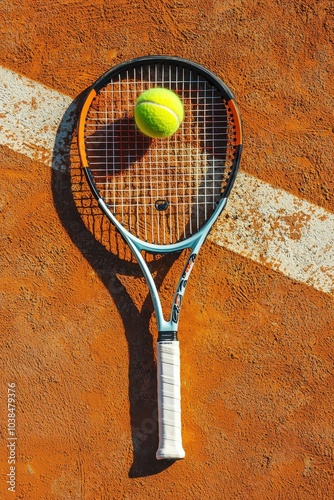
(168, 355)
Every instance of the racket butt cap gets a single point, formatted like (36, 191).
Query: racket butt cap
(170, 453)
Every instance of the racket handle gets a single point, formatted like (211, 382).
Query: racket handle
(169, 401)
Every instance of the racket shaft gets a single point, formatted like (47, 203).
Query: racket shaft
(169, 401)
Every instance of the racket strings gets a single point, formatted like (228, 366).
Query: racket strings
(162, 191)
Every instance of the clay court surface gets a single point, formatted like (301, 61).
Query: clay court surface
(256, 331)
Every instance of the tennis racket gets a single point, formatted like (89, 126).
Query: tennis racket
(161, 195)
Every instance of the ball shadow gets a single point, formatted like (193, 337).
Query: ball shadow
(114, 147)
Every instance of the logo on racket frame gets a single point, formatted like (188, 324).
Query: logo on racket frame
(181, 288)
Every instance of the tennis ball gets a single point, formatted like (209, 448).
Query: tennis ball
(158, 112)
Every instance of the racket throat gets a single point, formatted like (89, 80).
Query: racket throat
(167, 336)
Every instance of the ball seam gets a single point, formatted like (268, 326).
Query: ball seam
(160, 106)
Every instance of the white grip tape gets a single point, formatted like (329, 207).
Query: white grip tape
(169, 401)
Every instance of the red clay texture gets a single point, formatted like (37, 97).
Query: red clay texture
(77, 324)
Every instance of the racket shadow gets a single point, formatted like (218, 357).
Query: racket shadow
(108, 255)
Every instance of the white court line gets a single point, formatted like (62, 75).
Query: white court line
(30, 114)
(263, 223)
(279, 230)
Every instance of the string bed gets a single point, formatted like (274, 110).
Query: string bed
(160, 190)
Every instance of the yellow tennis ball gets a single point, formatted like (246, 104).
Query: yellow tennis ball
(158, 112)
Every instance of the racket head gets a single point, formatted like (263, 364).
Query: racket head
(161, 192)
